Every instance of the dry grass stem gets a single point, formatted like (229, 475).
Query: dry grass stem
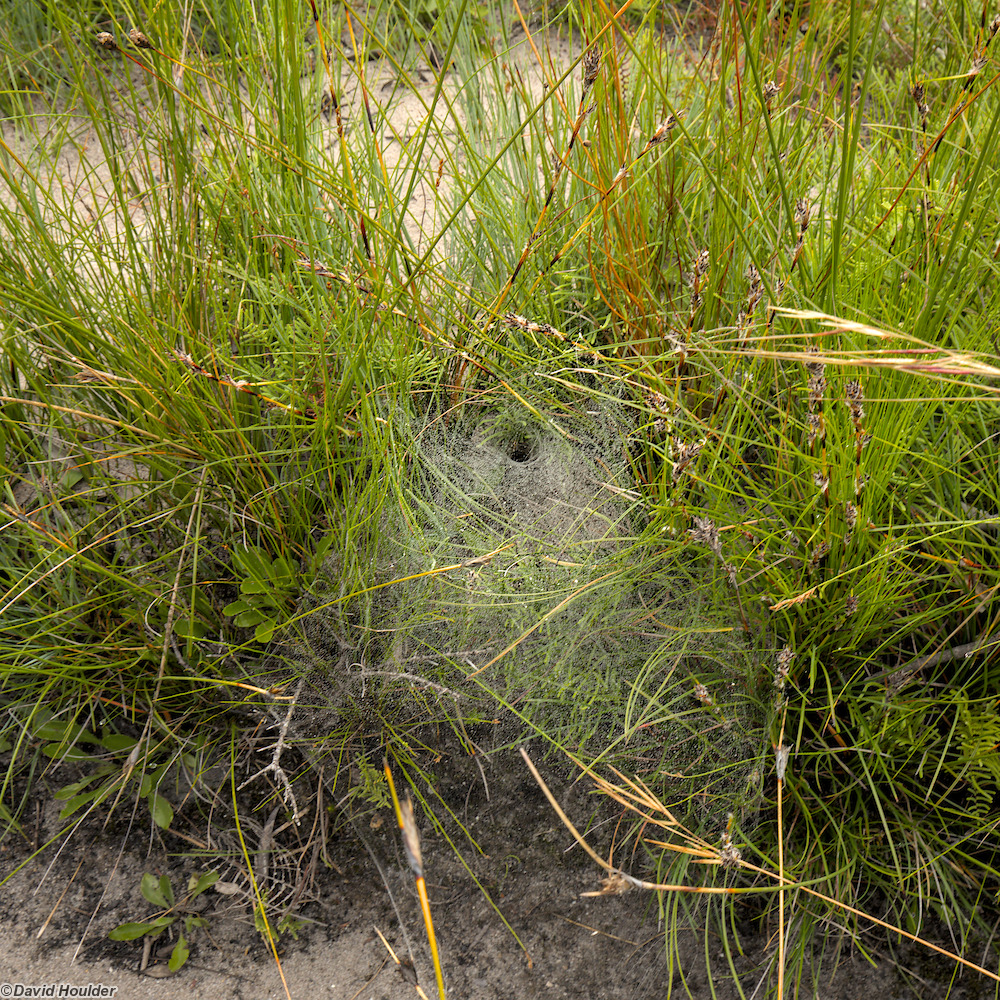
(635, 796)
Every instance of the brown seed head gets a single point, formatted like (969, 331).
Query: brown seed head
(706, 532)
(664, 129)
(917, 92)
(817, 428)
(978, 62)
(853, 397)
(657, 400)
(771, 91)
(683, 455)
(139, 40)
(591, 66)
(816, 386)
(782, 662)
(802, 214)
(106, 41)
(850, 515)
(729, 855)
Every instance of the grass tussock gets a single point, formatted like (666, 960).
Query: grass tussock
(636, 390)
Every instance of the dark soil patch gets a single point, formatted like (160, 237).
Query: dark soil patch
(610, 947)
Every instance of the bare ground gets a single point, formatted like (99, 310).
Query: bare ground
(59, 906)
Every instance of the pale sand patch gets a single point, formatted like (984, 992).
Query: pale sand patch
(55, 168)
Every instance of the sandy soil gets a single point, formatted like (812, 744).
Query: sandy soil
(60, 162)
(58, 908)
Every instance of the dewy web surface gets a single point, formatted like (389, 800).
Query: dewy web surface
(507, 581)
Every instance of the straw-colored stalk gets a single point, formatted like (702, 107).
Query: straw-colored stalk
(635, 796)
(411, 845)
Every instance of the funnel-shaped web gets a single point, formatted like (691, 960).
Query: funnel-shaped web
(507, 574)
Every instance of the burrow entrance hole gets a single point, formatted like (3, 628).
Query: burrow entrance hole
(520, 451)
